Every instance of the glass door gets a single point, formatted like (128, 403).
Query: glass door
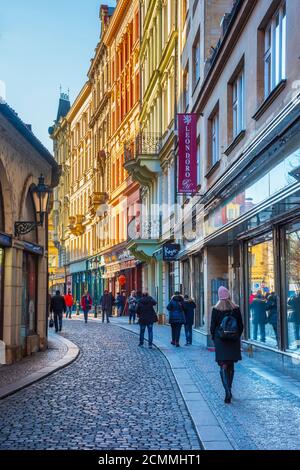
(263, 299)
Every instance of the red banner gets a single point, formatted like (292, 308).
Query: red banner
(187, 153)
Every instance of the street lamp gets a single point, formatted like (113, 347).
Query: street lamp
(41, 198)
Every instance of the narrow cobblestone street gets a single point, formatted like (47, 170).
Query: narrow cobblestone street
(115, 396)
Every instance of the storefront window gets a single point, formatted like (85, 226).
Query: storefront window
(284, 174)
(293, 286)
(263, 306)
(171, 279)
(199, 291)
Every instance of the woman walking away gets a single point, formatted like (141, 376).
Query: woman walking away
(132, 302)
(176, 317)
(147, 317)
(189, 310)
(86, 304)
(226, 330)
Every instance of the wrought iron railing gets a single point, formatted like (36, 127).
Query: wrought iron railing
(145, 228)
(145, 143)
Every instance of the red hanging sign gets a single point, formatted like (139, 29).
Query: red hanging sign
(187, 153)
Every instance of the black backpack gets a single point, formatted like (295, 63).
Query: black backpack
(228, 329)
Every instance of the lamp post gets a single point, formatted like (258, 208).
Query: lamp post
(41, 198)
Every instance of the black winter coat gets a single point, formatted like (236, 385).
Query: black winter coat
(145, 311)
(258, 308)
(189, 310)
(57, 304)
(226, 350)
(294, 303)
(176, 310)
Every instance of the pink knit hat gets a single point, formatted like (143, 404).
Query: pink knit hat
(223, 293)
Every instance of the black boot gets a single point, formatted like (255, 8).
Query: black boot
(231, 375)
(225, 381)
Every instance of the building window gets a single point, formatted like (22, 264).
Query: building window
(196, 61)
(275, 50)
(186, 88)
(293, 286)
(262, 294)
(238, 104)
(215, 145)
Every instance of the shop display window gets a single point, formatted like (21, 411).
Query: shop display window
(263, 299)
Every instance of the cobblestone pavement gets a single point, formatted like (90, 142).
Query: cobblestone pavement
(265, 412)
(30, 364)
(114, 396)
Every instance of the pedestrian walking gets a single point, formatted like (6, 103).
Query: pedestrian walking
(57, 307)
(226, 329)
(147, 316)
(86, 304)
(106, 302)
(176, 317)
(189, 307)
(120, 303)
(132, 305)
(69, 303)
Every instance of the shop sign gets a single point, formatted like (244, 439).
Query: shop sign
(36, 249)
(170, 251)
(187, 153)
(5, 240)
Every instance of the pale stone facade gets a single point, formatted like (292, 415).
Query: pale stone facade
(24, 290)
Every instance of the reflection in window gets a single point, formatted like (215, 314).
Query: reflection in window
(293, 286)
(278, 178)
(263, 298)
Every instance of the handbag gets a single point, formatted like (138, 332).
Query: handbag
(51, 322)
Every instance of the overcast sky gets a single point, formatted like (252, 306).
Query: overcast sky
(45, 44)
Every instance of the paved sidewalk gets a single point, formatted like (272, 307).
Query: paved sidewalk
(264, 414)
(60, 353)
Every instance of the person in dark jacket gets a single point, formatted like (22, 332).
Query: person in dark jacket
(86, 304)
(106, 302)
(294, 303)
(120, 303)
(147, 317)
(227, 351)
(57, 307)
(189, 310)
(176, 317)
(132, 305)
(259, 316)
(271, 308)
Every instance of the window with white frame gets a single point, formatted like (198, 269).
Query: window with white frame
(238, 104)
(186, 88)
(275, 50)
(215, 147)
(196, 61)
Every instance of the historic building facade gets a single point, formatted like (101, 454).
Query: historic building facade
(23, 258)
(122, 40)
(59, 216)
(151, 161)
(249, 157)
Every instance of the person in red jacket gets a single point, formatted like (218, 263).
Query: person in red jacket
(86, 304)
(69, 303)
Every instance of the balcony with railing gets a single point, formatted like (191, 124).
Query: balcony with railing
(143, 236)
(142, 157)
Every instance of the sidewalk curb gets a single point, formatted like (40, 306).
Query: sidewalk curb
(71, 355)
